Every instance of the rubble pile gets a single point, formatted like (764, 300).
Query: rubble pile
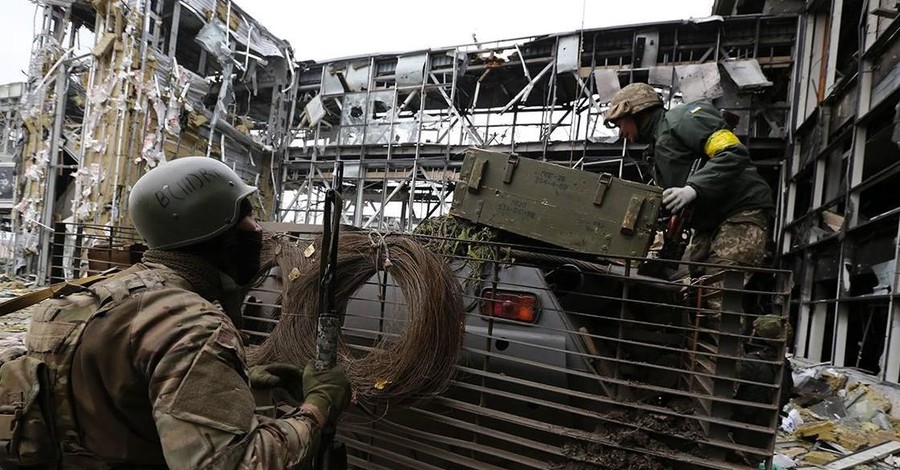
(13, 326)
(839, 418)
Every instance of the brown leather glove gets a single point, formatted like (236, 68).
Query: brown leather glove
(278, 375)
(327, 390)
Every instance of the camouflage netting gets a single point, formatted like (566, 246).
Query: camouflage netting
(451, 236)
(399, 370)
(458, 239)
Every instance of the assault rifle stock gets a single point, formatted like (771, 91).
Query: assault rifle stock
(332, 454)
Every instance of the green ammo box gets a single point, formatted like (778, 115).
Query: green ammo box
(582, 211)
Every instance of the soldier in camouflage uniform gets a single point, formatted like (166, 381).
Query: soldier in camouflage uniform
(731, 202)
(149, 369)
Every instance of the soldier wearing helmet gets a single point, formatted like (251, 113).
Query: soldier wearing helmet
(148, 368)
(731, 202)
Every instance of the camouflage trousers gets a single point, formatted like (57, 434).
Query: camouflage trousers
(739, 241)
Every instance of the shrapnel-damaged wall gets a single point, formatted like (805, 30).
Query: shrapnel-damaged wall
(162, 80)
(37, 111)
(841, 213)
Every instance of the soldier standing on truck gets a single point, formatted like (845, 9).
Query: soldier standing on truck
(732, 204)
(146, 367)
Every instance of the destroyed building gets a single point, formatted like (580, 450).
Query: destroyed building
(115, 87)
(150, 87)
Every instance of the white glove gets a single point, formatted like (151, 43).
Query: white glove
(676, 198)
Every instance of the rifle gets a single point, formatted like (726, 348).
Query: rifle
(332, 455)
(676, 237)
(677, 233)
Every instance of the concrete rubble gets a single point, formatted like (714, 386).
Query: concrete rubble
(839, 418)
(13, 326)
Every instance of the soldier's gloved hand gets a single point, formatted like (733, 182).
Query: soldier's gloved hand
(278, 375)
(327, 390)
(676, 198)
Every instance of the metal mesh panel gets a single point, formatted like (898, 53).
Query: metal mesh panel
(616, 370)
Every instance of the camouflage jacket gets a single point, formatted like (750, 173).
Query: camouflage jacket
(159, 379)
(727, 183)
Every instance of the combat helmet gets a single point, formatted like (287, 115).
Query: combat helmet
(186, 201)
(631, 100)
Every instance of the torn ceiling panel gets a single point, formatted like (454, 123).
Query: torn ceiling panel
(357, 76)
(607, 81)
(188, 86)
(662, 75)
(315, 110)
(333, 82)
(747, 74)
(243, 28)
(214, 39)
(699, 81)
(568, 54)
(411, 70)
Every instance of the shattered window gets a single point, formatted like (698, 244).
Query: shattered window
(366, 118)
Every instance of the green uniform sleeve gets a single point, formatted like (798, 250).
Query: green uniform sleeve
(193, 360)
(705, 133)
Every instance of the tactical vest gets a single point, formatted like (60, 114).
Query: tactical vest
(37, 420)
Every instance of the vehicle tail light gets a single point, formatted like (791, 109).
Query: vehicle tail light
(509, 305)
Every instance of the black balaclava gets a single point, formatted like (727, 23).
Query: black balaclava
(241, 251)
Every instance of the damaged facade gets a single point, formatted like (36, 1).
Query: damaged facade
(815, 86)
(162, 79)
(840, 210)
(403, 121)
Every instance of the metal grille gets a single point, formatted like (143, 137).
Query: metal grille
(81, 250)
(617, 370)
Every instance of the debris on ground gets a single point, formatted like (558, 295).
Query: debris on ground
(14, 326)
(839, 418)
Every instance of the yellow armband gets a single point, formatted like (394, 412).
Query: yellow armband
(720, 140)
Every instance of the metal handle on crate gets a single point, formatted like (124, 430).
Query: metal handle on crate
(632, 214)
(512, 161)
(605, 180)
(476, 175)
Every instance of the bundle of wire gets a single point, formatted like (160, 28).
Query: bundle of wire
(398, 370)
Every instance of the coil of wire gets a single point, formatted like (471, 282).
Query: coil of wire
(398, 369)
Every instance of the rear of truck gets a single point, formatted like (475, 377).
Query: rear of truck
(571, 357)
(574, 362)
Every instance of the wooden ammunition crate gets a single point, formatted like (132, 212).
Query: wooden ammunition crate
(582, 211)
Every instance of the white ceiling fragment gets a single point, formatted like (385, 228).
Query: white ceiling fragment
(661, 75)
(607, 82)
(567, 54)
(315, 109)
(411, 70)
(747, 74)
(699, 81)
